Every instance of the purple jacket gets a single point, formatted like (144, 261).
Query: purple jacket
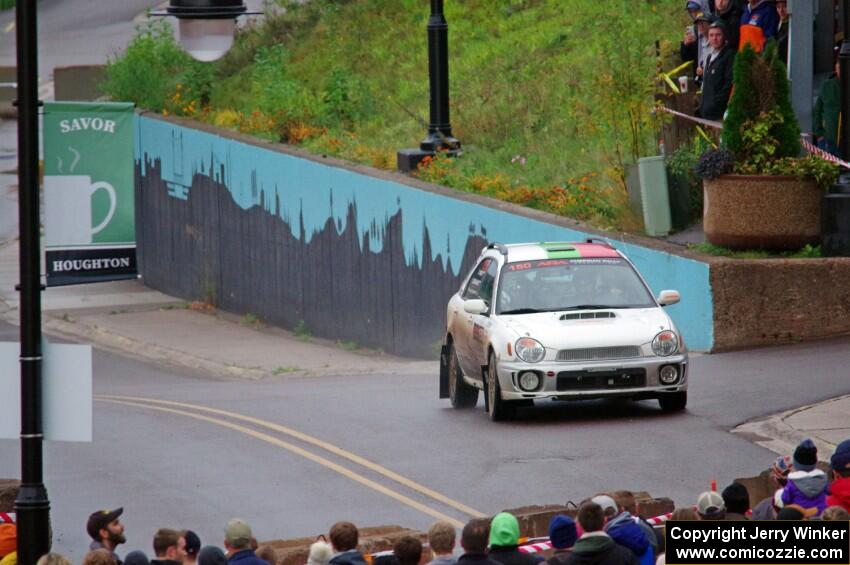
(763, 16)
(807, 489)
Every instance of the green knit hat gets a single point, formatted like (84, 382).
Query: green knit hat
(504, 530)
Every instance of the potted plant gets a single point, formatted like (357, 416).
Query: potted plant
(759, 192)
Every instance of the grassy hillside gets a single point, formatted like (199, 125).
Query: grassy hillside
(550, 98)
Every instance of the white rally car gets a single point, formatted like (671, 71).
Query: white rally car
(563, 321)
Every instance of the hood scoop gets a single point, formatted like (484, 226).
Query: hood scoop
(587, 316)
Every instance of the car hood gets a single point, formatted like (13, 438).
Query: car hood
(630, 326)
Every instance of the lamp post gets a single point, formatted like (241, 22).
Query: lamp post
(32, 506)
(203, 26)
(439, 136)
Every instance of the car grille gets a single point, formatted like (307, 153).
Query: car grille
(599, 353)
(588, 380)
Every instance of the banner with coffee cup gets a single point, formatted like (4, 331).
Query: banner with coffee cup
(89, 216)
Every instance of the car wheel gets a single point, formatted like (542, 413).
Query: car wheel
(497, 409)
(461, 394)
(673, 401)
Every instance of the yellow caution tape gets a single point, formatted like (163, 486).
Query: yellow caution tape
(706, 137)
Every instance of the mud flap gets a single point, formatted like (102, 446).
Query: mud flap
(444, 371)
(484, 390)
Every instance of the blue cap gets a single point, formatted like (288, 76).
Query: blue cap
(562, 532)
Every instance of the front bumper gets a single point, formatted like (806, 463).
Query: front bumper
(636, 377)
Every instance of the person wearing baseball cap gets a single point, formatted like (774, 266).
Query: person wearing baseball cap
(237, 542)
(106, 531)
(710, 506)
(840, 487)
(716, 75)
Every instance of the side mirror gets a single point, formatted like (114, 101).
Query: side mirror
(668, 297)
(475, 306)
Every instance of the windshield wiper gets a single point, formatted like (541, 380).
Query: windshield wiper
(523, 311)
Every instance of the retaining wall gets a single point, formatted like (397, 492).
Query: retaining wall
(348, 252)
(775, 301)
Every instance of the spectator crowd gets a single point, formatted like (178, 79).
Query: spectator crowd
(719, 29)
(607, 530)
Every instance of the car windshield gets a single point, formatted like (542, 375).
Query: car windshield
(570, 284)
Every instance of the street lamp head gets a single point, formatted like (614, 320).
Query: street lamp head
(206, 27)
(206, 40)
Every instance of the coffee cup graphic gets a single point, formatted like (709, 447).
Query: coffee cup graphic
(68, 213)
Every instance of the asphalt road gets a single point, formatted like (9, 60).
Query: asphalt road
(196, 469)
(75, 32)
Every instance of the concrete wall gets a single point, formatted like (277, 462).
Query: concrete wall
(355, 253)
(774, 301)
(78, 82)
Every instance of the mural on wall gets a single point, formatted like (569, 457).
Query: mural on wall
(343, 254)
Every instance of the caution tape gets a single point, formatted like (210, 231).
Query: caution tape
(701, 121)
(536, 547)
(807, 145)
(814, 150)
(546, 545)
(666, 76)
(7, 517)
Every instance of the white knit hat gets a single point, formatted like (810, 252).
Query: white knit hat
(320, 553)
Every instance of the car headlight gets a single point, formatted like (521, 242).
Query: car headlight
(529, 381)
(529, 350)
(665, 343)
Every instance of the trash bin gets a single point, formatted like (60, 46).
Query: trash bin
(679, 193)
(654, 195)
(835, 221)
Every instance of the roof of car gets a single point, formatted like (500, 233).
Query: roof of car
(557, 250)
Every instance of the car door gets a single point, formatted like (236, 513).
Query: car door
(465, 323)
(481, 323)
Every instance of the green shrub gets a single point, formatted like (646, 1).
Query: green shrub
(148, 69)
(760, 124)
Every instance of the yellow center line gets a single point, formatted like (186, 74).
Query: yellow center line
(303, 453)
(318, 443)
(9, 27)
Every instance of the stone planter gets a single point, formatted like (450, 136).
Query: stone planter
(776, 213)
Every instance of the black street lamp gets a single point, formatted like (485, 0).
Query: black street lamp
(32, 506)
(439, 136)
(203, 24)
(206, 27)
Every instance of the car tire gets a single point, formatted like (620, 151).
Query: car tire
(497, 409)
(461, 393)
(673, 401)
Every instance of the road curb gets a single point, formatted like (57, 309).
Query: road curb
(116, 343)
(775, 434)
(105, 338)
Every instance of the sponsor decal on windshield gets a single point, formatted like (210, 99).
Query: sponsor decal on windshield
(542, 264)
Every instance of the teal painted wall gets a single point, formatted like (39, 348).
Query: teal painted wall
(309, 196)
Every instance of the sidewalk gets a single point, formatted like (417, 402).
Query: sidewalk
(128, 318)
(827, 423)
